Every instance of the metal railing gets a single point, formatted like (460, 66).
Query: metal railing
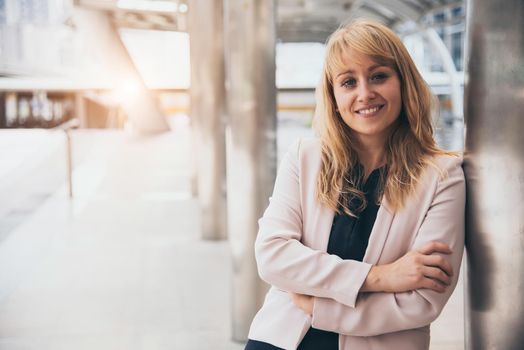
(67, 127)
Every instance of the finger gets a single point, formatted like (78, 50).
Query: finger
(437, 274)
(435, 247)
(432, 284)
(438, 261)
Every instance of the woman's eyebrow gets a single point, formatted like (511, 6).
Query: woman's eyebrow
(370, 68)
(376, 66)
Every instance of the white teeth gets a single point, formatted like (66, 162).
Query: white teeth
(369, 110)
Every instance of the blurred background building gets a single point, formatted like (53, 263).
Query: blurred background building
(48, 67)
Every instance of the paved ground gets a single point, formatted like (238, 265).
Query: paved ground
(121, 266)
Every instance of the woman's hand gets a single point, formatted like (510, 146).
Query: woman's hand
(417, 269)
(304, 302)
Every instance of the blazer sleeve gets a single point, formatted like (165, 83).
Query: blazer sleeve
(379, 313)
(284, 262)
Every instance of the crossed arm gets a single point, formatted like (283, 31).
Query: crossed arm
(417, 269)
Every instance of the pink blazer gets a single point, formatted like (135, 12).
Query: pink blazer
(291, 256)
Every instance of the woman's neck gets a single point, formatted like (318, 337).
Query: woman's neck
(371, 154)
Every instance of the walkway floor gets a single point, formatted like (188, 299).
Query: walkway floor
(120, 266)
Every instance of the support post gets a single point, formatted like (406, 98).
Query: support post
(251, 144)
(494, 167)
(207, 93)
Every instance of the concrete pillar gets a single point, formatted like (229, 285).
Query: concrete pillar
(207, 93)
(494, 167)
(251, 143)
(96, 31)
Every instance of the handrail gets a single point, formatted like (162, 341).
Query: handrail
(67, 127)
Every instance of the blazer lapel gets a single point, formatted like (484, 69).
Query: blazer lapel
(379, 233)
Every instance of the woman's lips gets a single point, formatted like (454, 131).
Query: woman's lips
(369, 111)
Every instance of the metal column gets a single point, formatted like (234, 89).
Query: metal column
(251, 144)
(207, 93)
(494, 166)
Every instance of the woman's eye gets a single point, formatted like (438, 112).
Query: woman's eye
(349, 83)
(379, 77)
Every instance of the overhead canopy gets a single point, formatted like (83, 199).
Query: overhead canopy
(297, 20)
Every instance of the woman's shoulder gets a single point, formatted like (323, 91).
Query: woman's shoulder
(445, 165)
(448, 160)
(310, 144)
(305, 147)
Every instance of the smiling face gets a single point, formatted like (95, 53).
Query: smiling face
(367, 96)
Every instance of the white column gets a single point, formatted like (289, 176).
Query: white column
(251, 144)
(207, 92)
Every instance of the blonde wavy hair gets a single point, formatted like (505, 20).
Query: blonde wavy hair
(410, 145)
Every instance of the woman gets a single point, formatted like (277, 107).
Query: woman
(363, 237)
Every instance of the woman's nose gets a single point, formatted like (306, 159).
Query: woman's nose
(365, 92)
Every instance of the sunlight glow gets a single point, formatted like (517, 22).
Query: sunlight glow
(126, 90)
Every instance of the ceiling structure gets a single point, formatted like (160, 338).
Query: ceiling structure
(143, 14)
(314, 20)
(297, 20)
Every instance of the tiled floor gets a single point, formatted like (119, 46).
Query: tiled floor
(121, 266)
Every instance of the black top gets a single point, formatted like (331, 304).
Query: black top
(348, 239)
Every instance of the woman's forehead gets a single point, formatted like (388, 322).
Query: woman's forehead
(351, 60)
